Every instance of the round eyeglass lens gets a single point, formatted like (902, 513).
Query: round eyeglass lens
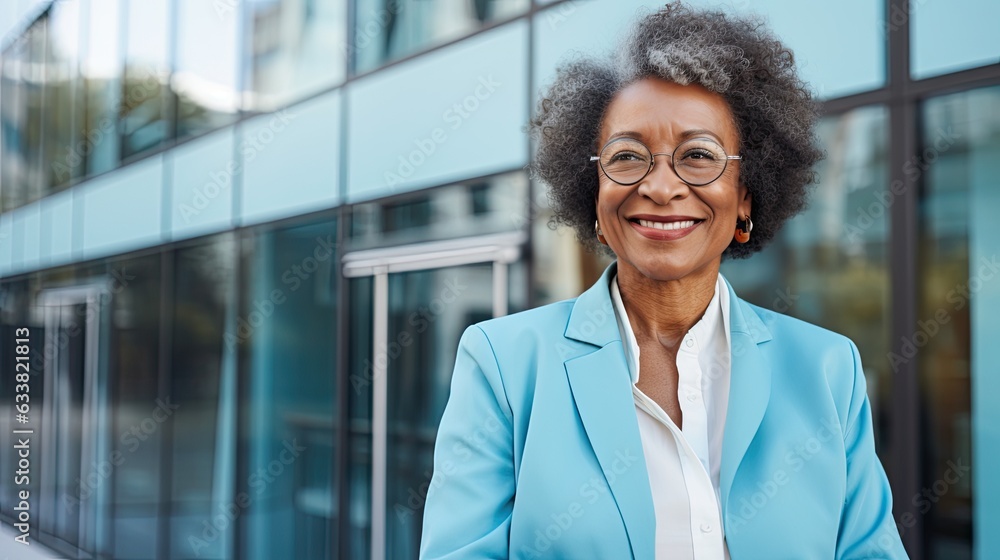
(699, 161)
(626, 161)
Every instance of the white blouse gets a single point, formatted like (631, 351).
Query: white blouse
(683, 464)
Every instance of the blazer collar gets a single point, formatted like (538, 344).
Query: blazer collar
(602, 391)
(592, 318)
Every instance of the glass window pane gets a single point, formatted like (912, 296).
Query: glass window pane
(33, 81)
(63, 109)
(291, 333)
(202, 382)
(828, 265)
(134, 358)
(423, 335)
(146, 99)
(858, 63)
(489, 205)
(101, 69)
(12, 128)
(359, 476)
(205, 77)
(386, 30)
(299, 47)
(950, 36)
(959, 154)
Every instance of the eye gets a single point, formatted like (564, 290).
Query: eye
(700, 153)
(626, 155)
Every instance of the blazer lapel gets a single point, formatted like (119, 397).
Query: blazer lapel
(602, 392)
(749, 389)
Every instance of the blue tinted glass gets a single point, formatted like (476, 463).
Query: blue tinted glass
(298, 49)
(856, 64)
(829, 265)
(290, 334)
(101, 70)
(146, 98)
(385, 31)
(950, 36)
(472, 109)
(135, 360)
(203, 390)
(205, 85)
(960, 160)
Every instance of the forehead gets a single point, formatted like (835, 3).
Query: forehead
(662, 110)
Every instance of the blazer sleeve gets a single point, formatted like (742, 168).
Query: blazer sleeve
(468, 508)
(867, 528)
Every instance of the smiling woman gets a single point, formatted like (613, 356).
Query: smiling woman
(592, 459)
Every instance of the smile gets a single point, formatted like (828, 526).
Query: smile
(664, 231)
(667, 225)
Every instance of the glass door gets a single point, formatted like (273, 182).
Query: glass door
(74, 418)
(421, 300)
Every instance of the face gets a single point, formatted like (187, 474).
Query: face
(661, 115)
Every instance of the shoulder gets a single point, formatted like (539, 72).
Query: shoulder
(804, 355)
(544, 322)
(787, 329)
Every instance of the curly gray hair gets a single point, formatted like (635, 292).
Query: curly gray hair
(736, 57)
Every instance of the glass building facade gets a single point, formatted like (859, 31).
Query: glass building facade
(246, 235)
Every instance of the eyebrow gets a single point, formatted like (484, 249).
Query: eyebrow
(684, 135)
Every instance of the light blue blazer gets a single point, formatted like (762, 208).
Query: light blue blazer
(538, 453)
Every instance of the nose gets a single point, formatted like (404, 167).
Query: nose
(662, 184)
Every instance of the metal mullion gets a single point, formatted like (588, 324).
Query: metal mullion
(380, 392)
(904, 442)
(342, 459)
(962, 80)
(844, 104)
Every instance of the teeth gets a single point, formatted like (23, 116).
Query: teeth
(666, 225)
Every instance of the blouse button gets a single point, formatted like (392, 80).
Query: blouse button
(689, 342)
(706, 528)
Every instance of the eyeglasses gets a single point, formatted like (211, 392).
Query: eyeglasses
(697, 161)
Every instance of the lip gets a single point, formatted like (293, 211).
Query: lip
(660, 234)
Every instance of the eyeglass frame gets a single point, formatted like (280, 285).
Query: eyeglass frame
(652, 161)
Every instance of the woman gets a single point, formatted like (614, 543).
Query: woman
(658, 415)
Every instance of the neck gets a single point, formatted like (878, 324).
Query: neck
(665, 310)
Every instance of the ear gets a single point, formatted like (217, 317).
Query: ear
(745, 205)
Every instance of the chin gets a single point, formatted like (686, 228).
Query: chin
(664, 268)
